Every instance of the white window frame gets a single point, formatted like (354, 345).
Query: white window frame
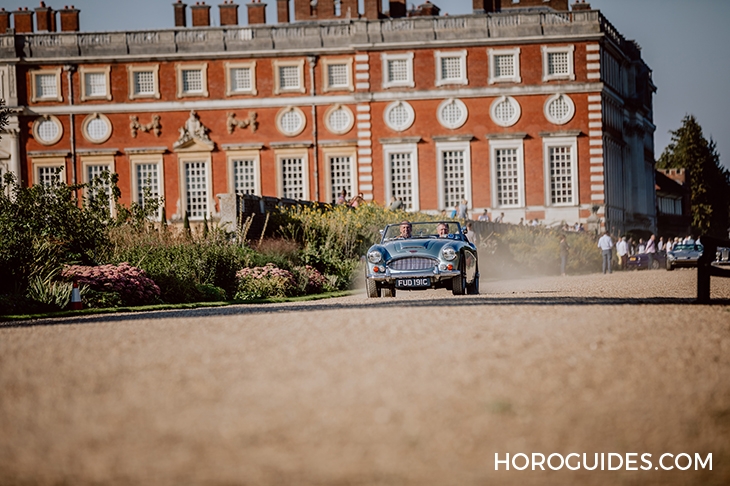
(288, 154)
(409, 109)
(106, 71)
(203, 68)
(148, 159)
(35, 96)
(351, 152)
(406, 56)
(546, 50)
(411, 148)
(36, 125)
(229, 67)
(98, 160)
(188, 157)
(89, 119)
(133, 69)
(326, 63)
(493, 53)
(460, 123)
(253, 155)
(329, 112)
(55, 162)
(283, 112)
(549, 142)
(461, 55)
(442, 147)
(515, 104)
(299, 64)
(495, 145)
(568, 101)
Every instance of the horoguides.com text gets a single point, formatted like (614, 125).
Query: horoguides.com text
(611, 461)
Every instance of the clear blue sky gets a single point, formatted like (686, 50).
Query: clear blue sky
(685, 42)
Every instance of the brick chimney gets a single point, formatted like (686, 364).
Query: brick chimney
(229, 13)
(398, 9)
(69, 19)
(23, 19)
(4, 21)
(282, 11)
(256, 12)
(303, 10)
(486, 6)
(180, 14)
(373, 9)
(426, 10)
(349, 9)
(326, 9)
(201, 14)
(43, 17)
(581, 5)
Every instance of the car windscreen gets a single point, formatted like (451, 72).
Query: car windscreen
(687, 248)
(448, 229)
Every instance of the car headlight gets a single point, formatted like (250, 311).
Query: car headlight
(375, 256)
(448, 253)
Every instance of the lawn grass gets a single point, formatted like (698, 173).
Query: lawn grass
(156, 307)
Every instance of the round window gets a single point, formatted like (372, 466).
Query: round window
(399, 116)
(505, 111)
(559, 109)
(452, 113)
(339, 119)
(47, 130)
(97, 128)
(291, 121)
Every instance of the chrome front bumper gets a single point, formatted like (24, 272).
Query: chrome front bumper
(389, 276)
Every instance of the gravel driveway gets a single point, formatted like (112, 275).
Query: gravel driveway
(421, 389)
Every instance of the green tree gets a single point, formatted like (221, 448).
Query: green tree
(709, 182)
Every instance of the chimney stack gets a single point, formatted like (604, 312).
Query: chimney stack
(23, 19)
(581, 5)
(4, 21)
(229, 13)
(45, 18)
(180, 14)
(69, 19)
(326, 10)
(282, 11)
(373, 9)
(398, 9)
(256, 12)
(303, 10)
(201, 14)
(486, 6)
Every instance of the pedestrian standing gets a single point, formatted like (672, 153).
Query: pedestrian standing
(651, 250)
(462, 209)
(564, 248)
(605, 243)
(622, 251)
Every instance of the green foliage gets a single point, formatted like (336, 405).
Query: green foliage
(50, 293)
(211, 293)
(94, 299)
(709, 182)
(264, 282)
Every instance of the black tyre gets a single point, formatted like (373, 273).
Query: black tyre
(388, 291)
(372, 288)
(473, 288)
(655, 265)
(458, 284)
(670, 267)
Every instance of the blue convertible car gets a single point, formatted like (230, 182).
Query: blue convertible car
(419, 256)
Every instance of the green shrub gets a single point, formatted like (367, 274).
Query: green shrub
(94, 299)
(211, 293)
(263, 282)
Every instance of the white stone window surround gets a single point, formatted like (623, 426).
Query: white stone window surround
(89, 130)
(546, 51)
(234, 155)
(339, 111)
(547, 143)
(132, 70)
(299, 65)
(230, 68)
(509, 144)
(446, 119)
(568, 108)
(399, 116)
(98, 164)
(36, 76)
(496, 111)
(440, 56)
(407, 58)
(285, 116)
(136, 160)
(48, 163)
(494, 56)
(327, 63)
(341, 152)
(203, 69)
(280, 155)
(441, 148)
(44, 133)
(189, 158)
(85, 73)
(400, 148)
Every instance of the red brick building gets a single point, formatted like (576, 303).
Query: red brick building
(527, 108)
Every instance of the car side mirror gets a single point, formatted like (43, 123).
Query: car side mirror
(464, 230)
(381, 232)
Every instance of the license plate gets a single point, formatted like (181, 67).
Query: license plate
(412, 283)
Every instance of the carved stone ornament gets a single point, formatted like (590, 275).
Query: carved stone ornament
(251, 122)
(193, 131)
(153, 126)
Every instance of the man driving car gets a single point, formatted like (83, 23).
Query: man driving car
(405, 229)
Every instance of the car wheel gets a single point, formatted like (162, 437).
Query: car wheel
(372, 288)
(655, 265)
(458, 284)
(388, 291)
(473, 288)
(670, 267)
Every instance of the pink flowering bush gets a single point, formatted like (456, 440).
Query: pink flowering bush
(131, 283)
(310, 280)
(263, 282)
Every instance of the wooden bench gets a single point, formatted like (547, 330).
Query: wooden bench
(705, 268)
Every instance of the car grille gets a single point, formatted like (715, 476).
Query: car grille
(413, 263)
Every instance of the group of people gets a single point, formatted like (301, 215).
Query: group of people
(627, 247)
(353, 203)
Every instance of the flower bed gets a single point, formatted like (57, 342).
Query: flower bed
(132, 284)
